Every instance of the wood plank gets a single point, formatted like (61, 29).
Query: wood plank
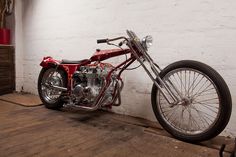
(38, 131)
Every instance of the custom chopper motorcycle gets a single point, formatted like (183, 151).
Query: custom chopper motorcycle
(189, 99)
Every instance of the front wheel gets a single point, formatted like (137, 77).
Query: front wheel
(205, 106)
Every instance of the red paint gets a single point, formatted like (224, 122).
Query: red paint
(48, 62)
(5, 36)
(105, 54)
(70, 69)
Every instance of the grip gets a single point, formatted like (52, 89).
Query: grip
(102, 41)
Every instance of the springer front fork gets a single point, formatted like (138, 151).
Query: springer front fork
(170, 94)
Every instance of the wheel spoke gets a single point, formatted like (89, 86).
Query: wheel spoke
(197, 83)
(206, 104)
(191, 118)
(51, 77)
(208, 107)
(200, 93)
(199, 107)
(206, 100)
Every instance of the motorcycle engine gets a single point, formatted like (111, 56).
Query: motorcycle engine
(88, 81)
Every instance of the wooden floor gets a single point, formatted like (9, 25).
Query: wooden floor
(37, 131)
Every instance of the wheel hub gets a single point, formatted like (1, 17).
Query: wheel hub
(186, 101)
(55, 81)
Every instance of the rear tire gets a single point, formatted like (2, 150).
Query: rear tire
(45, 93)
(225, 103)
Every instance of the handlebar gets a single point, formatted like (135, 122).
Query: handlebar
(99, 41)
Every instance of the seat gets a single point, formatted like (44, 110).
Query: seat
(65, 61)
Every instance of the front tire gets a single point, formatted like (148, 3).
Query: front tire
(50, 97)
(213, 112)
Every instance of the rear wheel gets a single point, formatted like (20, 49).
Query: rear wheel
(51, 97)
(205, 106)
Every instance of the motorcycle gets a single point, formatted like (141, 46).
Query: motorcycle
(190, 99)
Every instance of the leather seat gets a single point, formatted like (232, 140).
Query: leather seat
(65, 61)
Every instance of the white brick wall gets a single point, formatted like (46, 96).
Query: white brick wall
(203, 30)
(18, 41)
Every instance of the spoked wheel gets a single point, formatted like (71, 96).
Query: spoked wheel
(204, 108)
(51, 97)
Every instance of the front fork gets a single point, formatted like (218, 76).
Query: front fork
(164, 88)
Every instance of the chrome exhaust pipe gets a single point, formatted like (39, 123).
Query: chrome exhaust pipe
(117, 96)
(59, 88)
(55, 87)
(84, 108)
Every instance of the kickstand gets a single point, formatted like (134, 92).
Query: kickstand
(232, 154)
(222, 150)
(234, 151)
